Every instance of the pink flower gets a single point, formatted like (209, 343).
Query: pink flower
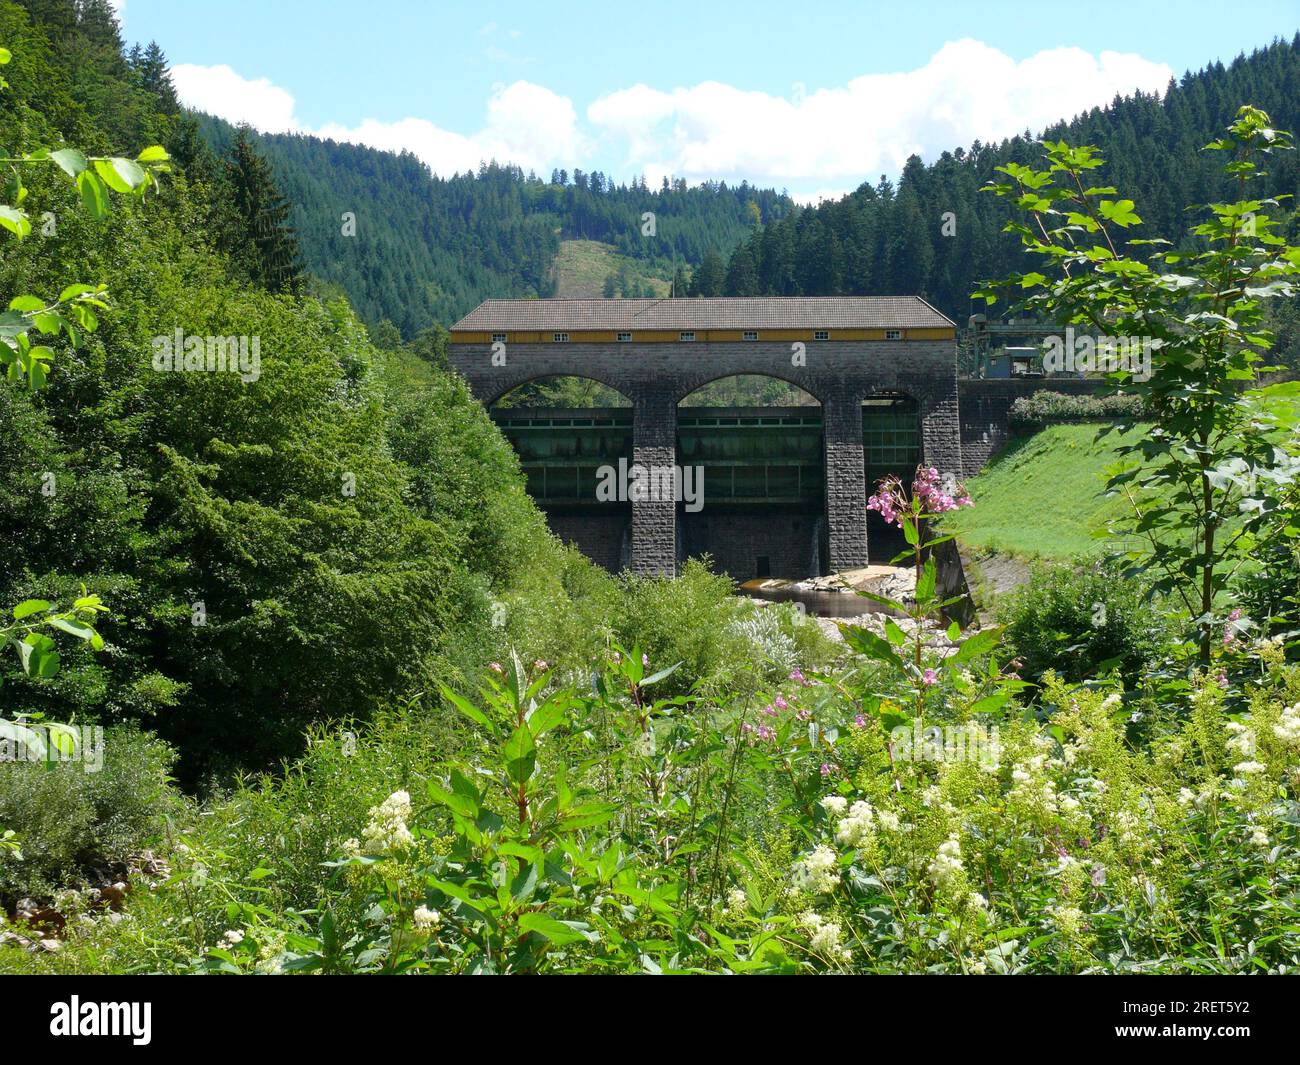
(496, 668)
(645, 660)
(540, 664)
(1222, 679)
(769, 710)
(859, 721)
(781, 704)
(766, 732)
(827, 769)
(797, 676)
(1235, 615)
(930, 677)
(803, 715)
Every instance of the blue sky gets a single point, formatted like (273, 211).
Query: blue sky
(815, 98)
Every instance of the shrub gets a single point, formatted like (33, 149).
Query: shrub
(1079, 622)
(73, 824)
(1046, 408)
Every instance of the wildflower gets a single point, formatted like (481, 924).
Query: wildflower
(887, 819)
(1287, 728)
(1068, 919)
(427, 920)
(352, 848)
(835, 805)
(803, 715)
(769, 710)
(1098, 875)
(797, 676)
(855, 830)
(929, 677)
(978, 967)
(947, 867)
(387, 830)
(824, 936)
(766, 732)
(1111, 701)
(859, 721)
(496, 668)
(232, 938)
(818, 872)
(827, 769)
(781, 704)
(1222, 680)
(645, 660)
(1259, 837)
(540, 665)
(737, 902)
(1247, 768)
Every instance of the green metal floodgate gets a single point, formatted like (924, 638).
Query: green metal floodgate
(750, 456)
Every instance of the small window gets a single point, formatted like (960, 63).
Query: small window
(821, 334)
(560, 338)
(687, 337)
(751, 334)
(498, 338)
(893, 334)
(624, 338)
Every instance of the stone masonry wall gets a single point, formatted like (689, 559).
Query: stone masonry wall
(986, 410)
(655, 377)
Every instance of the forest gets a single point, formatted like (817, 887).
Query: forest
(296, 679)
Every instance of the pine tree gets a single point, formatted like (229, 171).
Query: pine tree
(269, 244)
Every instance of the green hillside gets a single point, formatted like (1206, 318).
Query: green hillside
(582, 267)
(1044, 495)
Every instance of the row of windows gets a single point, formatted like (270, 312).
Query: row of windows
(687, 336)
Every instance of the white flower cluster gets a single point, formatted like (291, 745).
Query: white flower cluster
(947, 866)
(1242, 744)
(737, 903)
(426, 920)
(855, 829)
(387, 830)
(824, 936)
(1068, 919)
(1288, 727)
(818, 873)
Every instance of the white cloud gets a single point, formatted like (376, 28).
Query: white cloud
(818, 143)
(525, 124)
(845, 135)
(220, 91)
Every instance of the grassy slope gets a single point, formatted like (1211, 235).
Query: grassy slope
(581, 267)
(1043, 495)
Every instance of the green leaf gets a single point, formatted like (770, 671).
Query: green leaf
(155, 153)
(467, 708)
(15, 221)
(120, 175)
(94, 196)
(558, 932)
(72, 628)
(29, 607)
(70, 161)
(519, 755)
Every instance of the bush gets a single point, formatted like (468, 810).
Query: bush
(1081, 622)
(72, 824)
(1046, 408)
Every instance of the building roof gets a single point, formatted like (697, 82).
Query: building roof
(741, 312)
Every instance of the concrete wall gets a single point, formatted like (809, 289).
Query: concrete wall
(986, 410)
